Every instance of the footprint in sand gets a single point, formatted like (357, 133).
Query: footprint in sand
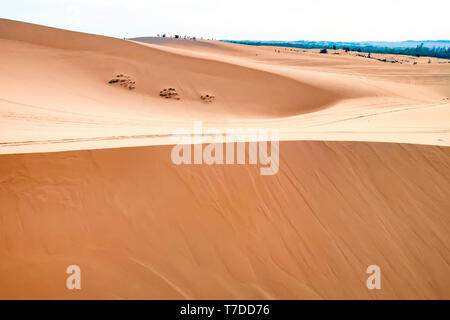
(169, 94)
(123, 81)
(207, 98)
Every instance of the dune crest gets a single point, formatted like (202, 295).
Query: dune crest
(244, 91)
(70, 105)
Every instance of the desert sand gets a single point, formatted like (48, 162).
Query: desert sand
(86, 176)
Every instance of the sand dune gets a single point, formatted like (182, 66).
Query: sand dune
(141, 227)
(94, 60)
(70, 105)
(112, 201)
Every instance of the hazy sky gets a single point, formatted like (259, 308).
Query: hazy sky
(334, 20)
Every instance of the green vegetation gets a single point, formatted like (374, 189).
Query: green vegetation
(406, 48)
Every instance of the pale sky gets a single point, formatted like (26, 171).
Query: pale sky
(333, 20)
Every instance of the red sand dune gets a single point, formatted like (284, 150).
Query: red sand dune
(142, 227)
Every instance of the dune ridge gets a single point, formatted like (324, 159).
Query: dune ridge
(155, 69)
(307, 96)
